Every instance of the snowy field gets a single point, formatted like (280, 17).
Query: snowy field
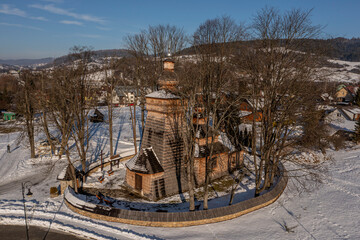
(330, 211)
(348, 72)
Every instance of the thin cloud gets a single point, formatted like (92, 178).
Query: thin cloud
(9, 10)
(20, 26)
(71, 22)
(60, 11)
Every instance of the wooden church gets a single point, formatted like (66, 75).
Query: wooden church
(159, 169)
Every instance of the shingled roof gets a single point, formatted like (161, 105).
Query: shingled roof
(145, 161)
(218, 147)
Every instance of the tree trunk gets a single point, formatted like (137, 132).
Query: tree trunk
(47, 132)
(190, 173)
(72, 168)
(232, 194)
(206, 189)
(142, 118)
(111, 125)
(133, 121)
(31, 138)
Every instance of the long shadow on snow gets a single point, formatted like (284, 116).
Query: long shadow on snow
(121, 124)
(169, 207)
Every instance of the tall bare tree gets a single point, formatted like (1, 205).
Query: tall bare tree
(148, 49)
(43, 101)
(61, 111)
(26, 104)
(82, 91)
(280, 76)
(214, 42)
(110, 82)
(188, 91)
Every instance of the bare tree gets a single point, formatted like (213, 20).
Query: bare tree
(280, 76)
(26, 105)
(61, 111)
(148, 49)
(214, 41)
(163, 37)
(43, 100)
(188, 81)
(110, 82)
(82, 92)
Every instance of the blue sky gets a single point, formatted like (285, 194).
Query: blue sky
(48, 28)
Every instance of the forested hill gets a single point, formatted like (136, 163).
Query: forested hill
(345, 49)
(336, 48)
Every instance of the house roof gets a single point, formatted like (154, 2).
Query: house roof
(341, 86)
(355, 110)
(204, 151)
(98, 113)
(145, 161)
(122, 91)
(351, 89)
(163, 95)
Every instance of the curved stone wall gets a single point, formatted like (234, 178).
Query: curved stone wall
(176, 219)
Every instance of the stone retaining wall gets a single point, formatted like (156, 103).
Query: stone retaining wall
(179, 219)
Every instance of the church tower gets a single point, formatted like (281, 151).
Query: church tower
(158, 169)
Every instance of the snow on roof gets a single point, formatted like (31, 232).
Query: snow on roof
(162, 94)
(353, 110)
(62, 174)
(145, 161)
(244, 113)
(132, 164)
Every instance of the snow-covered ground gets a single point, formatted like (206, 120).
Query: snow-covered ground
(329, 212)
(348, 72)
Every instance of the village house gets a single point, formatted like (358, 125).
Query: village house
(345, 93)
(126, 95)
(353, 113)
(246, 112)
(336, 115)
(8, 116)
(121, 95)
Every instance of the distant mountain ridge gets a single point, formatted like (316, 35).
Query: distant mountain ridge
(56, 61)
(339, 48)
(26, 62)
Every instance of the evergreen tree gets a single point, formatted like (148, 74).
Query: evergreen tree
(357, 97)
(357, 131)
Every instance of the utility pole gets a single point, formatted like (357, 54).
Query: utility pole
(29, 194)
